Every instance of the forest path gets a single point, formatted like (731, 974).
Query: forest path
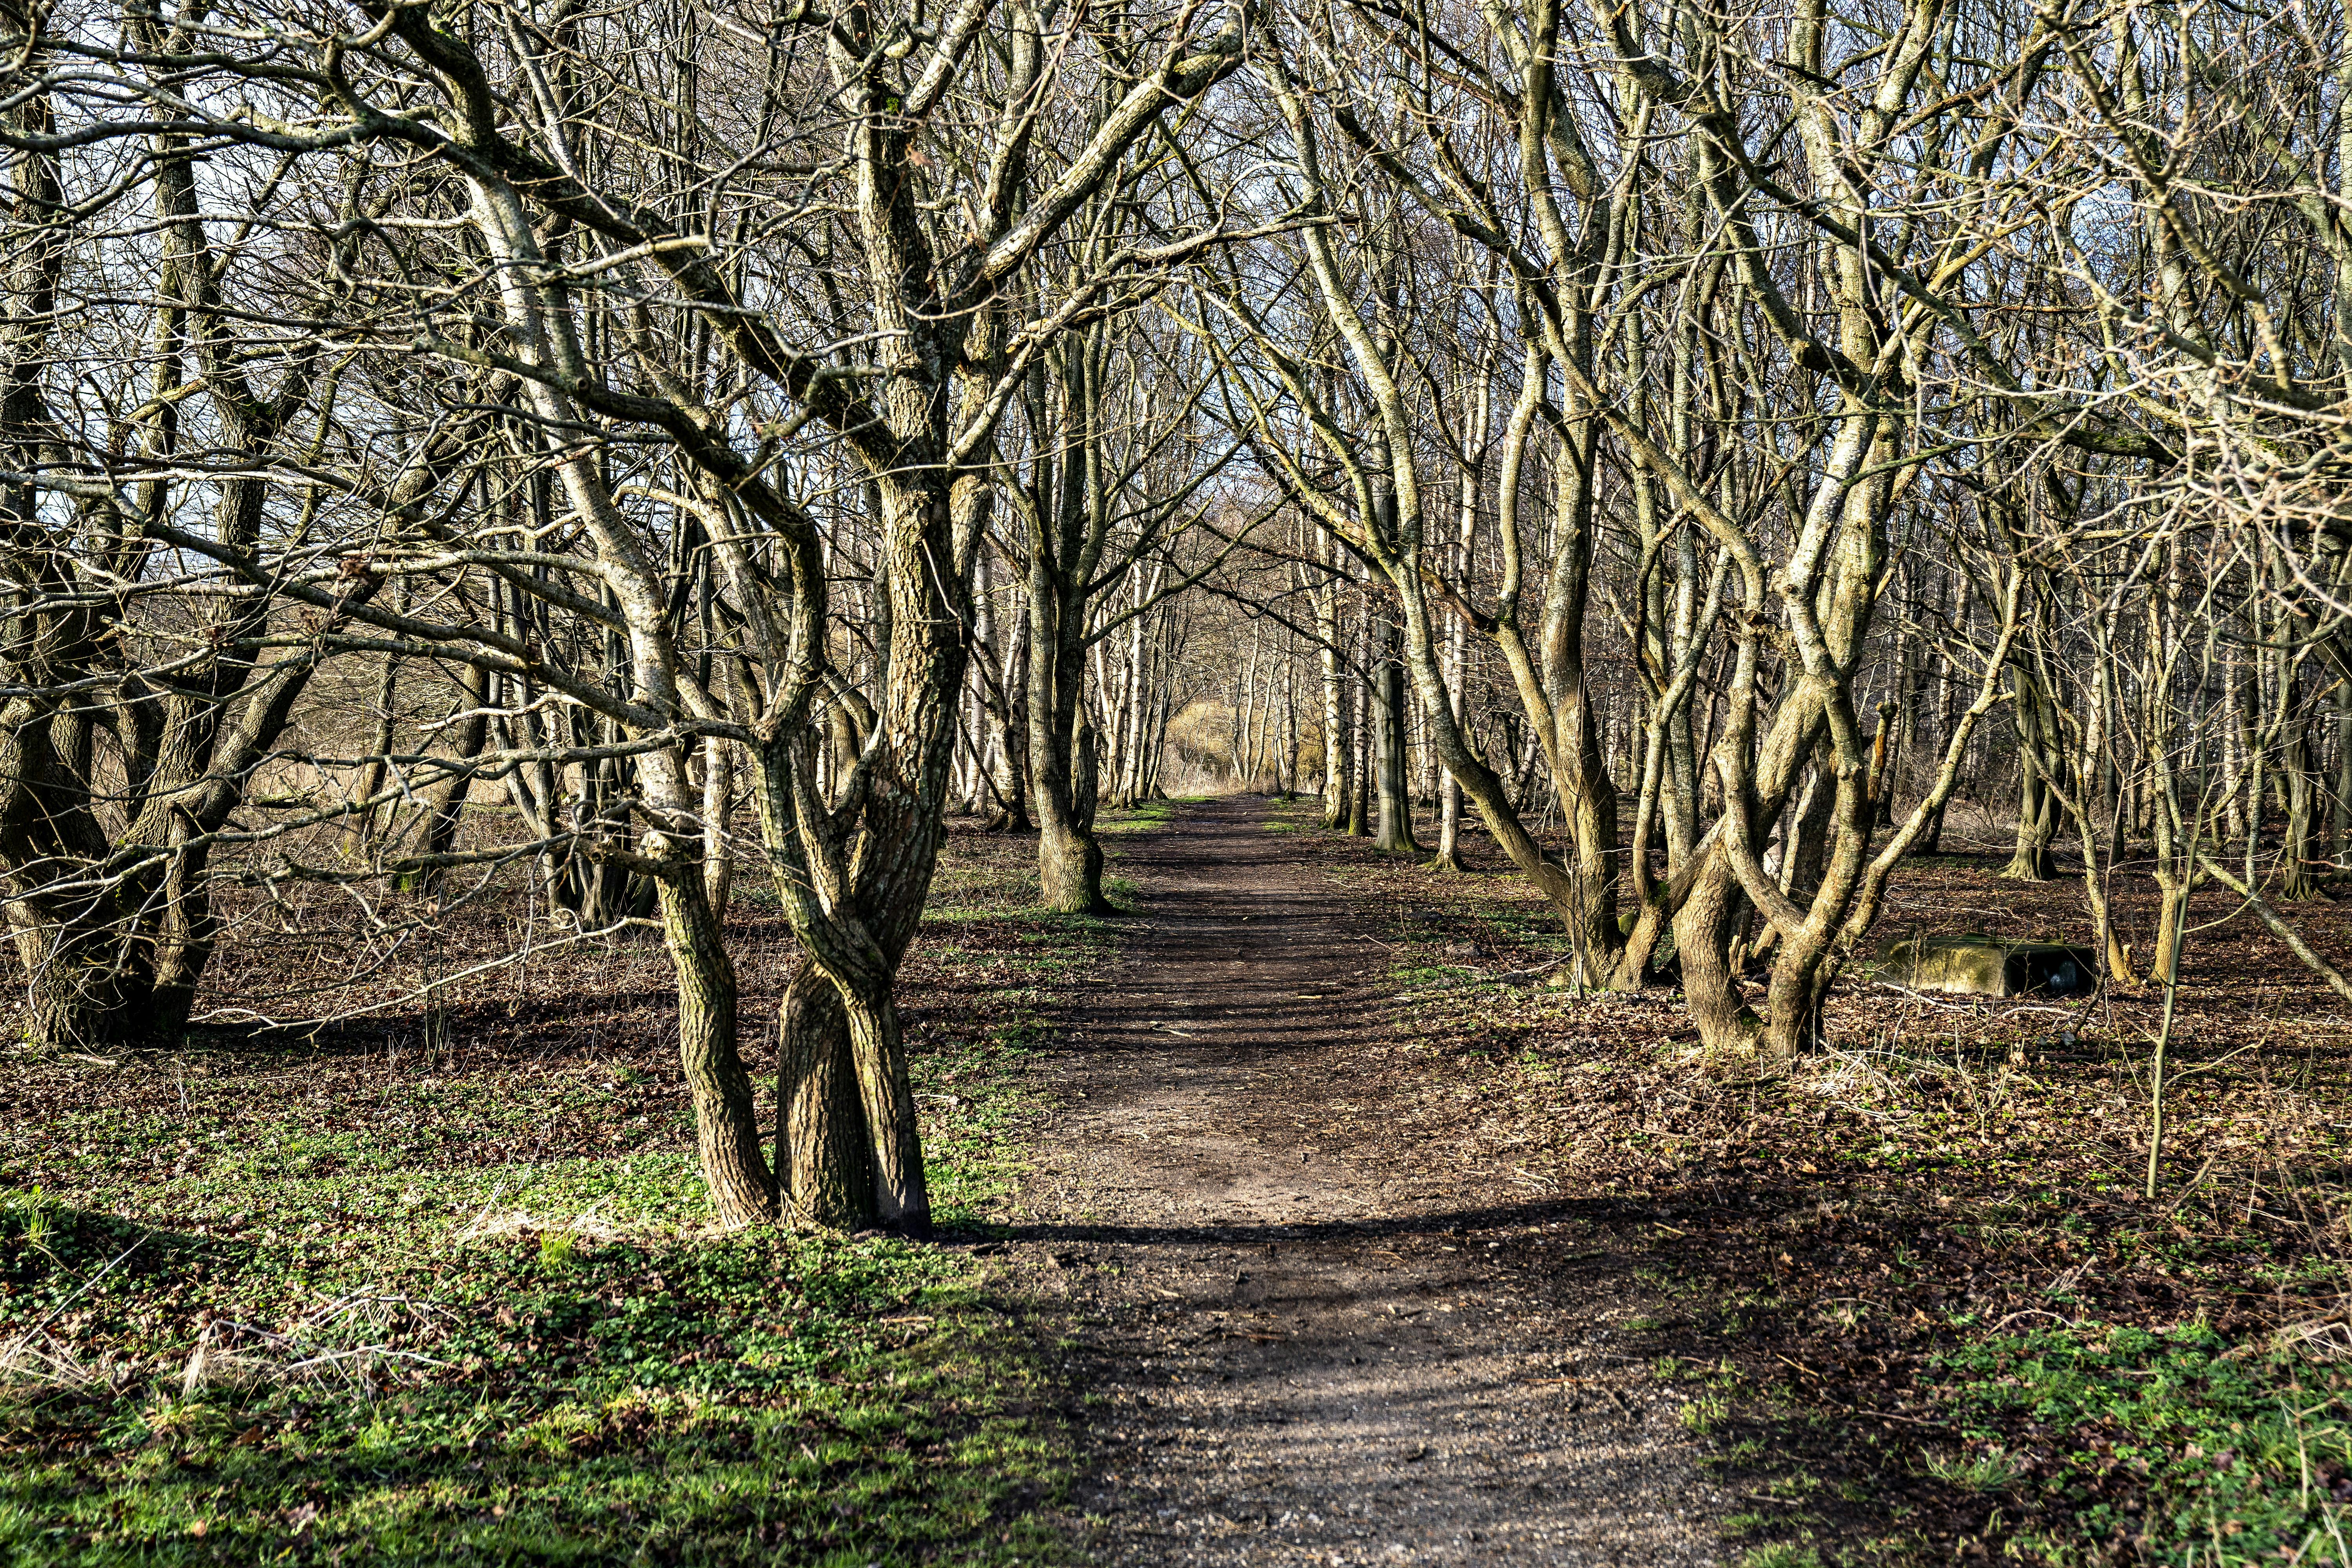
(1305, 1337)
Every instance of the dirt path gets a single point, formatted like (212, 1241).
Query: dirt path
(1308, 1335)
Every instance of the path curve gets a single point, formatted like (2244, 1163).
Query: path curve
(1294, 1346)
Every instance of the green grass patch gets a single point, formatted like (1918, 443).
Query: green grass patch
(623, 1391)
(268, 1303)
(1781, 1556)
(1143, 816)
(2167, 1442)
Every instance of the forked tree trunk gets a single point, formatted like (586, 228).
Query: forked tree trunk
(901, 1187)
(1804, 964)
(876, 865)
(1804, 844)
(2037, 805)
(849, 1145)
(2037, 822)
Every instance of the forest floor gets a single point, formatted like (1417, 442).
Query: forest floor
(1290, 1217)
(435, 1280)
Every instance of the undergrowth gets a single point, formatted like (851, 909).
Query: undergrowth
(525, 1396)
(2174, 1444)
(263, 1301)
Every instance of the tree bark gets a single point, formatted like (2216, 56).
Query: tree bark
(824, 1160)
(1395, 807)
(727, 1131)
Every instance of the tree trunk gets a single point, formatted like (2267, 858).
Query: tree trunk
(1388, 739)
(2036, 822)
(2340, 817)
(1069, 857)
(444, 803)
(1359, 730)
(2037, 805)
(2298, 852)
(1336, 793)
(1804, 844)
(1930, 840)
(823, 1156)
(184, 931)
(902, 1188)
(727, 1131)
(1449, 789)
(369, 823)
(1010, 755)
(1704, 929)
(89, 975)
(1884, 759)
(1061, 753)
(717, 801)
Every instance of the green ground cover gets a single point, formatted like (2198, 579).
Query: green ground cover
(265, 1300)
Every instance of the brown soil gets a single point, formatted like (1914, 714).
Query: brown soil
(1311, 1330)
